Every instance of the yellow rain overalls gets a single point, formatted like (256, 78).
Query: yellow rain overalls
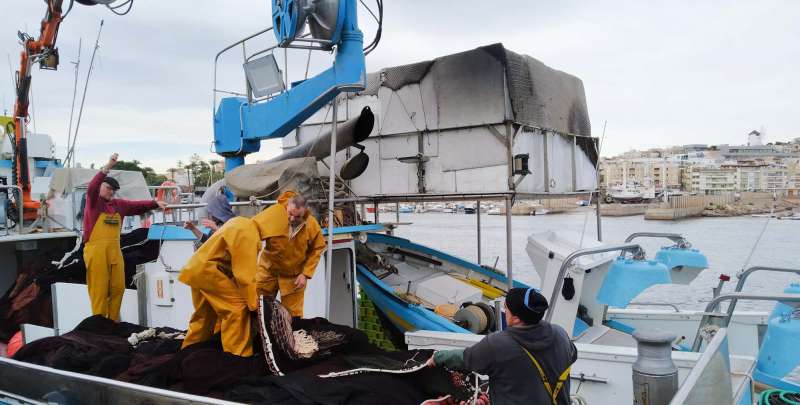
(105, 268)
(222, 276)
(287, 254)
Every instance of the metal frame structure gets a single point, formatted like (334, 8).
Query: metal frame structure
(723, 319)
(20, 228)
(746, 273)
(627, 247)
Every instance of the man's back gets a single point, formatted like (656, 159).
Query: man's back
(513, 376)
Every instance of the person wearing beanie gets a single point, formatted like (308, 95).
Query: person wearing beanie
(219, 212)
(527, 363)
(102, 221)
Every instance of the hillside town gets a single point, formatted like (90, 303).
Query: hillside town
(755, 166)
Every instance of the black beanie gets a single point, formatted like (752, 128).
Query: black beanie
(531, 313)
(111, 182)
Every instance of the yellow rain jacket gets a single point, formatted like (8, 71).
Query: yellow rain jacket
(287, 253)
(222, 276)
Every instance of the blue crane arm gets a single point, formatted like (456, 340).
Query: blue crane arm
(239, 126)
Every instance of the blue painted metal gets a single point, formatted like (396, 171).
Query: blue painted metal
(172, 232)
(620, 326)
(352, 229)
(747, 395)
(407, 244)
(627, 278)
(45, 163)
(6, 164)
(779, 355)
(284, 18)
(240, 126)
(580, 327)
(673, 256)
(406, 317)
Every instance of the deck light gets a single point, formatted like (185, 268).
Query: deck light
(627, 278)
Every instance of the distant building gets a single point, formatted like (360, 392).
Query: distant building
(713, 179)
(709, 169)
(730, 152)
(754, 138)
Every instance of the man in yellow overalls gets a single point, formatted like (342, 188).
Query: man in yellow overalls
(289, 259)
(105, 268)
(222, 276)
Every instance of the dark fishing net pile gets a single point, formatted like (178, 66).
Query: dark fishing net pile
(296, 361)
(28, 300)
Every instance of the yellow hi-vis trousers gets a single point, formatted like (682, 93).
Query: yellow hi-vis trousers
(291, 298)
(220, 300)
(105, 268)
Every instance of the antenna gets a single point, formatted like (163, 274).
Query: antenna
(71, 153)
(74, 96)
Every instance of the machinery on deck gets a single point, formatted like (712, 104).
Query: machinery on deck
(271, 108)
(41, 50)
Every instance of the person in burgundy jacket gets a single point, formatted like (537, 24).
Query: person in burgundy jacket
(102, 217)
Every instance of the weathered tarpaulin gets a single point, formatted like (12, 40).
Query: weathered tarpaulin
(468, 88)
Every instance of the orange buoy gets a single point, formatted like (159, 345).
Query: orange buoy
(14, 344)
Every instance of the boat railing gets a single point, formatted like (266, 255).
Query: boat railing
(675, 237)
(20, 219)
(743, 275)
(722, 320)
(657, 304)
(623, 248)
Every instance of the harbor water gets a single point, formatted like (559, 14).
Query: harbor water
(727, 242)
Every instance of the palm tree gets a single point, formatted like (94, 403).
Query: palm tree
(172, 171)
(213, 163)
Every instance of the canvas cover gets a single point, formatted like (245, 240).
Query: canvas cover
(132, 183)
(485, 86)
(267, 180)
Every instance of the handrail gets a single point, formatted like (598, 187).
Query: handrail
(742, 276)
(712, 306)
(216, 61)
(627, 247)
(675, 237)
(176, 188)
(20, 218)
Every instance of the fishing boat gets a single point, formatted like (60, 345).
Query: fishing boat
(420, 288)
(440, 300)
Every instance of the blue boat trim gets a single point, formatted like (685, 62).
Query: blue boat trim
(172, 232)
(393, 240)
(356, 228)
(622, 327)
(579, 328)
(767, 379)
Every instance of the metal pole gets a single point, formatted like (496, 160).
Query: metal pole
(478, 214)
(599, 219)
(331, 189)
(509, 272)
(746, 273)
(397, 211)
(375, 206)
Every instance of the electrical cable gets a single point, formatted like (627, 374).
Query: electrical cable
(379, 20)
(114, 9)
(69, 8)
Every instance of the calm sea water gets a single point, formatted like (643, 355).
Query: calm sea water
(727, 242)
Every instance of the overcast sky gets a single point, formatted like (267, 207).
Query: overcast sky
(660, 73)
